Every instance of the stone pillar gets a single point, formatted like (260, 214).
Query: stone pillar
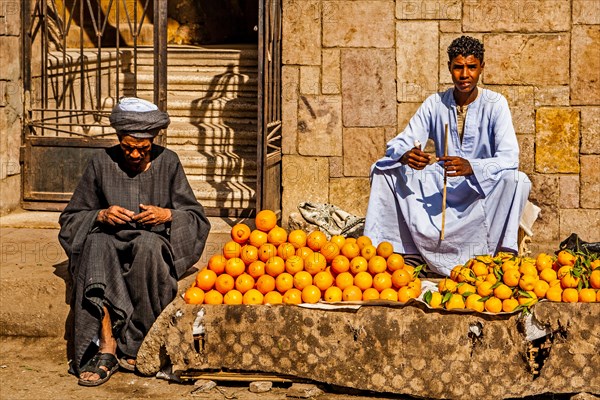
(11, 105)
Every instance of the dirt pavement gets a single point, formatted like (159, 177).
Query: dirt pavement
(35, 368)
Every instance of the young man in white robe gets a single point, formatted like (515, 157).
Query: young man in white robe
(485, 191)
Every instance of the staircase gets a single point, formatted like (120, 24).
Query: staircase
(212, 102)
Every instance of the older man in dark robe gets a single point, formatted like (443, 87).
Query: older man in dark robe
(132, 228)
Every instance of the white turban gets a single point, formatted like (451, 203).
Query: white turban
(138, 118)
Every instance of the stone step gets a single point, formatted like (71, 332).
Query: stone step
(205, 162)
(225, 194)
(186, 79)
(211, 134)
(181, 55)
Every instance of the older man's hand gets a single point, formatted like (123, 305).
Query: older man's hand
(115, 215)
(152, 215)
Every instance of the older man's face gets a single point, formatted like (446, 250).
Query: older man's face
(465, 72)
(136, 152)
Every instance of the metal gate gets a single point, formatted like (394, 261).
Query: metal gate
(80, 57)
(269, 111)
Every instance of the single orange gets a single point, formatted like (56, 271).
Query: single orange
(385, 249)
(233, 297)
(343, 280)
(284, 282)
(277, 236)
(235, 267)
(231, 249)
(401, 278)
(258, 238)
(292, 296)
(266, 251)
(587, 295)
(213, 297)
(350, 250)
(368, 252)
(511, 277)
(205, 279)
(217, 263)
(528, 269)
(350, 240)
(274, 266)
(543, 261)
(315, 240)
(549, 275)
(473, 303)
(244, 282)
(253, 296)
(249, 254)
(339, 240)
(509, 305)
(485, 289)
(297, 238)
(389, 294)
(509, 264)
(569, 280)
(595, 279)
(224, 283)
(370, 294)
(333, 294)
(265, 220)
(382, 281)
(194, 295)
(256, 269)
(352, 293)
(240, 233)
(565, 257)
(406, 293)
(315, 263)
(377, 264)
(540, 288)
(503, 292)
(358, 264)
(286, 250)
(340, 264)
(455, 302)
(294, 264)
(304, 252)
(527, 282)
(330, 251)
(554, 293)
(435, 301)
(311, 294)
(447, 285)
(265, 284)
(323, 280)
(479, 268)
(395, 262)
(415, 284)
(273, 297)
(302, 279)
(527, 298)
(363, 241)
(465, 289)
(363, 280)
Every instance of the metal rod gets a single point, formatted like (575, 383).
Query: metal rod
(445, 184)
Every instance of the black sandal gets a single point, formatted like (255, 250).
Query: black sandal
(107, 360)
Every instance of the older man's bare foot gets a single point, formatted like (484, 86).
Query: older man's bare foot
(100, 368)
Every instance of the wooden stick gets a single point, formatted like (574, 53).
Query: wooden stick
(445, 181)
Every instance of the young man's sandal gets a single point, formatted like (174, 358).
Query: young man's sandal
(106, 360)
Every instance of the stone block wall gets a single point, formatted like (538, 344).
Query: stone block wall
(11, 104)
(355, 71)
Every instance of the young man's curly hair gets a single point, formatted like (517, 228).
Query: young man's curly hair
(466, 46)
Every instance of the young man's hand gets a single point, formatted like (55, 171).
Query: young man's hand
(152, 215)
(456, 166)
(415, 158)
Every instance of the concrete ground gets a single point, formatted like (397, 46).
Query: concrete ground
(33, 312)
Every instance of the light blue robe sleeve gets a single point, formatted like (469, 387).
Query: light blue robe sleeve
(504, 150)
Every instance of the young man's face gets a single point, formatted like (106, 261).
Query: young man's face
(465, 72)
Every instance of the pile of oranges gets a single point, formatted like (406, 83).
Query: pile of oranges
(506, 283)
(268, 265)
